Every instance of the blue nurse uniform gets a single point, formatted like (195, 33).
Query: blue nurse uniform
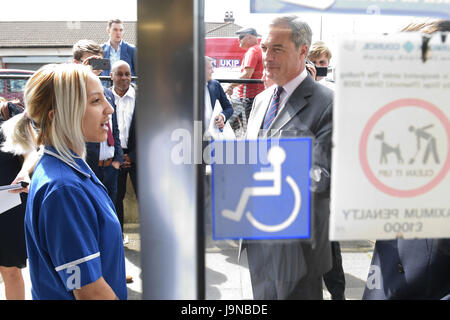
(72, 232)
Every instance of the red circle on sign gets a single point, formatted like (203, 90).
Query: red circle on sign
(365, 137)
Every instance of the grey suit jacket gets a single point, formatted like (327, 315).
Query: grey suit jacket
(308, 112)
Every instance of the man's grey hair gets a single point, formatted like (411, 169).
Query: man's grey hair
(301, 32)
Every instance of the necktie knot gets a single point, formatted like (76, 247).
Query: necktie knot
(278, 91)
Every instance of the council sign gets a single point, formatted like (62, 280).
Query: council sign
(391, 154)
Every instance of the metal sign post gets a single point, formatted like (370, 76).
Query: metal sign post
(171, 74)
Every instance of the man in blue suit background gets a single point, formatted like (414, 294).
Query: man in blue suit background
(117, 49)
(215, 92)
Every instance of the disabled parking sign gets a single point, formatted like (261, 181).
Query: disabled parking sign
(261, 189)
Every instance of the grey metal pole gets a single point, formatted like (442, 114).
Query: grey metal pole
(171, 79)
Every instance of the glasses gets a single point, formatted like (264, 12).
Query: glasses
(242, 36)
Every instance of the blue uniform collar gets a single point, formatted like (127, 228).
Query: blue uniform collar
(81, 167)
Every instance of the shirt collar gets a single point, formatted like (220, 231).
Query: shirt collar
(118, 47)
(131, 92)
(81, 167)
(294, 83)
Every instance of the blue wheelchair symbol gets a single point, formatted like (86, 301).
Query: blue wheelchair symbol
(267, 195)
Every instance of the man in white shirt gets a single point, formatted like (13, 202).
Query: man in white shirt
(125, 100)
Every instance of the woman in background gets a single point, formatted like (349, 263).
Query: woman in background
(13, 255)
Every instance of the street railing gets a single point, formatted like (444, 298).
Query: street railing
(12, 86)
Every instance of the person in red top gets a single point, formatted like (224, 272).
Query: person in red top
(251, 68)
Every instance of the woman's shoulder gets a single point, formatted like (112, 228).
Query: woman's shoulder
(52, 174)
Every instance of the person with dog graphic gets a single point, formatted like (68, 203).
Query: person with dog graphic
(431, 143)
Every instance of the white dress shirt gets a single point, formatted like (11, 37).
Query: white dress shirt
(290, 87)
(113, 54)
(106, 152)
(208, 108)
(124, 110)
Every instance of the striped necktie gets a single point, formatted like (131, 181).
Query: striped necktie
(273, 109)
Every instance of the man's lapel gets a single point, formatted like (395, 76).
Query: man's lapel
(257, 115)
(123, 51)
(297, 101)
(212, 92)
(106, 50)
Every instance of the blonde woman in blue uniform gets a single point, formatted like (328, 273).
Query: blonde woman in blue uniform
(73, 236)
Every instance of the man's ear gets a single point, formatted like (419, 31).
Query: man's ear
(303, 51)
(51, 114)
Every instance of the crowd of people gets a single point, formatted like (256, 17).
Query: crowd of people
(76, 138)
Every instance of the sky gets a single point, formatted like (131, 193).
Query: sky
(63, 10)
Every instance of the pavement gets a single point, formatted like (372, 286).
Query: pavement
(228, 279)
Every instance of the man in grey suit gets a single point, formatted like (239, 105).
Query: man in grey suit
(295, 105)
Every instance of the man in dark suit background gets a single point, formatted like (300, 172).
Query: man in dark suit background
(215, 92)
(106, 157)
(117, 49)
(296, 105)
